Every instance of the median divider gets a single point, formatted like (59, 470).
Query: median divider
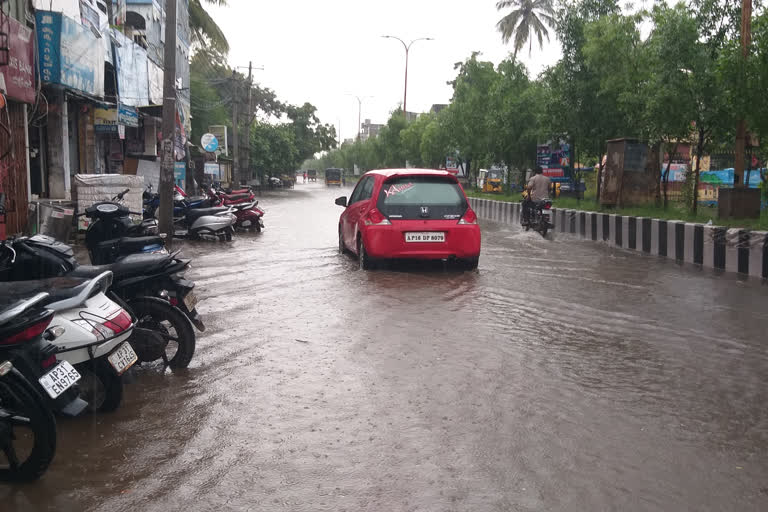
(731, 250)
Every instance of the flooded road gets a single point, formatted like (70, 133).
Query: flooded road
(562, 375)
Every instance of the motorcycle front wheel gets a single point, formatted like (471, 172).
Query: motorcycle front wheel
(173, 325)
(27, 431)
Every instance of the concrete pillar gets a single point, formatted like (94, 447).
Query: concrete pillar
(59, 185)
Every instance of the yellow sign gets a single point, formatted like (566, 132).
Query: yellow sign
(105, 119)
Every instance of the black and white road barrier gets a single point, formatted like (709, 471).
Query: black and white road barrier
(732, 250)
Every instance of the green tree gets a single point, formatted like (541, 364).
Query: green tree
(466, 118)
(574, 108)
(514, 104)
(527, 19)
(411, 138)
(205, 32)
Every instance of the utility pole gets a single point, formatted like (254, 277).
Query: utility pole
(235, 131)
(165, 186)
(247, 135)
(741, 127)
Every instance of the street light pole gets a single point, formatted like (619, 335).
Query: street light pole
(407, 48)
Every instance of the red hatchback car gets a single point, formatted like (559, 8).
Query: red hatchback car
(409, 214)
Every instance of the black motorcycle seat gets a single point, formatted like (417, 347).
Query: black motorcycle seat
(131, 265)
(196, 213)
(130, 244)
(58, 288)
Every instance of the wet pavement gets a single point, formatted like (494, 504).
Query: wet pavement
(562, 375)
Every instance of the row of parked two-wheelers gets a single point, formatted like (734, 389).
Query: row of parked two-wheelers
(69, 332)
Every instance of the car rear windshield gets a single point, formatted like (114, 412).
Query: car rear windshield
(421, 197)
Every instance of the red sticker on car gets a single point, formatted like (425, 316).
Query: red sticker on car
(397, 189)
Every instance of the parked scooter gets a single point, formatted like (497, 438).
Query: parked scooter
(90, 332)
(152, 286)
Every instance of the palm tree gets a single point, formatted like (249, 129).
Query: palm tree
(528, 17)
(205, 32)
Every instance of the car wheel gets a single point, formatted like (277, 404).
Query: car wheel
(366, 263)
(342, 247)
(470, 263)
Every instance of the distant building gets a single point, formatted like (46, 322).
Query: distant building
(411, 116)
(369, 129)
(437, 107)
(348, 141)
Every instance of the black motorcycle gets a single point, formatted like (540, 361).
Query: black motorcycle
(151, 286)
(539, 216)
(27, 424)
(112, 234)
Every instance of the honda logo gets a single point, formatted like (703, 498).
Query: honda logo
(424, 211)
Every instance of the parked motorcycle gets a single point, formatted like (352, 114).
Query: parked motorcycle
(539, 216)
(90, 332)
(27, 428)
(194, 219)
(32, 384)
(25, 340)
(247, 212)
(152, 286)
(112, 234)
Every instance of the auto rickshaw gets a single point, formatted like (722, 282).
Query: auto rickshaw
(492, 181)
(312, 175)
(333, 176)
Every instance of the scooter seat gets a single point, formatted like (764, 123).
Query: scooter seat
(58, 288)
(193, 215)
(129, 266)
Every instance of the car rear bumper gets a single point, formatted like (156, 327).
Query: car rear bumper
(388, 242)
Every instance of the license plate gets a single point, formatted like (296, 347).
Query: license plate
(546, 212)
(191, 300)
(122, 358)
(60, 379)
(246, 223)
(425, 236)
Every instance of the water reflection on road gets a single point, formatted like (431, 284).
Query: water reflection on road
(561, 376)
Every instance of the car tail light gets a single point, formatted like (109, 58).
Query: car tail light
(29, 333)
(469, 217)
(376, 218)
(548, 205)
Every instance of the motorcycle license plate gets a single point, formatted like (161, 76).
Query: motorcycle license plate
(546, 213)
(246, 223)
(425, 236)
(191, 300)
(60, 379)
(122, 358)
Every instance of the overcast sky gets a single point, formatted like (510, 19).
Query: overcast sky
(319, 51)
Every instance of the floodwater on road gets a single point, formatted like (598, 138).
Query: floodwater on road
(563, 375)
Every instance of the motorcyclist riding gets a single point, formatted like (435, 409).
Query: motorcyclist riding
(537, 189)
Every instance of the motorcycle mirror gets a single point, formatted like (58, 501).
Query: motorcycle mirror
(342, 201)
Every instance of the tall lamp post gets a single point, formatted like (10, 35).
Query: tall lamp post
(407, 48)
(359, 110)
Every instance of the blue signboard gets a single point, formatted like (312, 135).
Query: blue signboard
(180, 174)
(128, 116)
(70, 54)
